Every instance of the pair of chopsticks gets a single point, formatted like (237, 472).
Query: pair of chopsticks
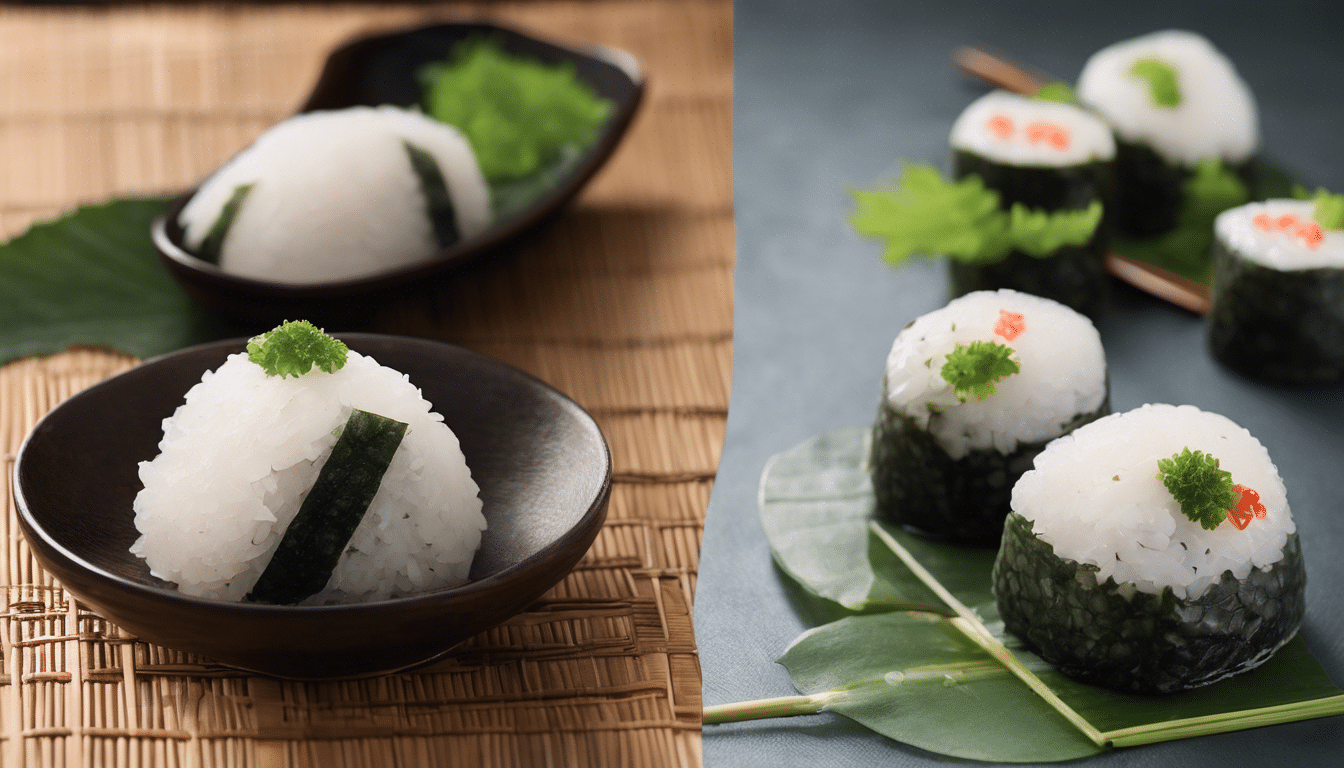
(1164, 284)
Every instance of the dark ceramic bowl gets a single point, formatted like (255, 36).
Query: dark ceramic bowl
(382, 70)
(541, 462)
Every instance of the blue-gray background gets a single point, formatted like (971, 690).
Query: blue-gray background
(833, 96)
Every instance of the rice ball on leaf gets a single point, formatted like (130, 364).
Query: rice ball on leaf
(1152, 551)
(972, 392)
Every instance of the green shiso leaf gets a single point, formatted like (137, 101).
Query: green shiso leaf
(1329, 210)
(928, 215)
(518, 113)
(1057, 91)
(902, 675)
(1041, 233)
(1161, 79)
(1202, 489)
(973, 369)
(93, 277)
(1211, 189)
(294, 348)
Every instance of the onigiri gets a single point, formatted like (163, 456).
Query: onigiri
(239, 458)
(338, 195)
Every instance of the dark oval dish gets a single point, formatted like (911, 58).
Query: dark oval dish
(381, 69)
(542, 464)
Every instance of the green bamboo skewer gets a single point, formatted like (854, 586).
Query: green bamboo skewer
(791, 706)
(971, 626)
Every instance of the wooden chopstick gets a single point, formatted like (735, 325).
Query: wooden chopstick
(996, 71)
(1164, 284)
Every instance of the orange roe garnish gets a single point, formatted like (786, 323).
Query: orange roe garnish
(1043, 131)
(1248, 507)
(1001, 126)
(1010, 325)
(1310, 232)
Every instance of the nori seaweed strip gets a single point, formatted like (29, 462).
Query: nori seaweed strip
(922, 489)
(1278, 326)
(1075, 274)
(213, 244)
(1150, 191)
(1140, 642)
(319, 533)
(438, 201)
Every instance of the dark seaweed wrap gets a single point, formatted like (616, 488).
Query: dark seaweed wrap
(1143, 643)
(1073, 275)
(1280, 326)
(1150, 190)
(924, 490)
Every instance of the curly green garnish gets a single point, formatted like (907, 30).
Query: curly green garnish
(1056, 91)
(974, 369)
(293, 348)
(927, 214)
(1202, 489)
(1329, 211)
(519, 113)
(1161, 79)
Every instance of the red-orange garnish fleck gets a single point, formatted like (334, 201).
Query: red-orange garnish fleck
(1010, 325)
(1043, 131)
(1312, 234)
(1001, 126)
(1248, 507)
(1309, 232)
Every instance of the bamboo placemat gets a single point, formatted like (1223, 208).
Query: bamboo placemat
(625, 302)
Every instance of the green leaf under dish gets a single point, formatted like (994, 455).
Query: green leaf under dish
(92, 277)
(817, 496)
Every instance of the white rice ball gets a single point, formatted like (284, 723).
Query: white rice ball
(1281, 234)
(1018, 130)
(1063, 372)
(335, 197)
(1095, 495)
(1216, 117)
(238, 457)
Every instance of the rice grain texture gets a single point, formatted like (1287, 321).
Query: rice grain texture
(238, 457)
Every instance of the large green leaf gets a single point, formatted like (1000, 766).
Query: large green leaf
(821, 486)
(815, 503)
(916, 679)
(93, 277)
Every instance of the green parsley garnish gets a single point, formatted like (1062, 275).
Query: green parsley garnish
(293, 348)
(520, 114)
(1329, 210)
(975, 368)
(1161, 78)
(1056, 91)
(927, 214)
(1202, 489)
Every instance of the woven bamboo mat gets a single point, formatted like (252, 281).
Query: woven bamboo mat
(625, 303)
